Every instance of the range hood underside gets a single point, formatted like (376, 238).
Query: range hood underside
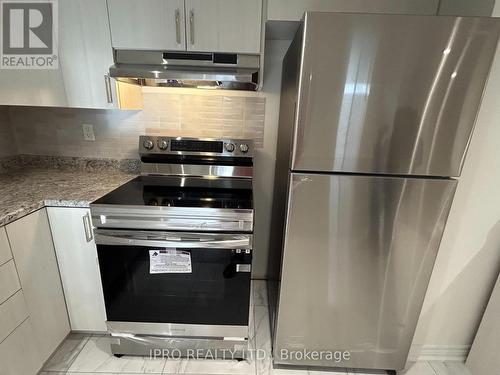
(186, 76)
(186, 69)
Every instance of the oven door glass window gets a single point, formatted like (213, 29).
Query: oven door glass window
(215, 292)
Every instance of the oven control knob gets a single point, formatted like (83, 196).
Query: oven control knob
(244, 148)
(229, 147)
(148, 144)
(162, 144)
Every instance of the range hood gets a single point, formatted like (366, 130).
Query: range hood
(186, 69)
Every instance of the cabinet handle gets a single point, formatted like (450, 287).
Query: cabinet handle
(87, 226)
(178, 26)
(244, 268)
(191, 26)
(109, 92)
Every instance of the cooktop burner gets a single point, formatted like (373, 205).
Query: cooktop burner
(173, 191)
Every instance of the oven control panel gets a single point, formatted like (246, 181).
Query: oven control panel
(195, 146)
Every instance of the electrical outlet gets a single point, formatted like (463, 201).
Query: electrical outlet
(88, 132)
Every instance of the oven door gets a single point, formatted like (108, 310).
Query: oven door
(175, 280)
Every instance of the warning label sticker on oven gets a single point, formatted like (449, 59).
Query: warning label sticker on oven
(169, 261)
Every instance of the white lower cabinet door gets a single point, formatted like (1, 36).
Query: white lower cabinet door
(12, 313)
(35, 258)
(5, 253)
(20, 352)
(77, 256)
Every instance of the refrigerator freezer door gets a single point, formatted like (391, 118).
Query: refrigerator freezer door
(358, 255)
(390, 94)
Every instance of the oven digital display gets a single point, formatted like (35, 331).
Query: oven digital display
(196, 146)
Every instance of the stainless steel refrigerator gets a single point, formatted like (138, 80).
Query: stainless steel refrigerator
(376, 115)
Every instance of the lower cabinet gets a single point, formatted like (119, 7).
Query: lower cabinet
(48, 270)
(5, 253)
(35, 259)
(77, 257)
(13, 312)
(20, 353)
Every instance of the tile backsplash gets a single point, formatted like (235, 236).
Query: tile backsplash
(174, 112)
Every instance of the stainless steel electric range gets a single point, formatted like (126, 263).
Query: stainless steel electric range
(175, 248)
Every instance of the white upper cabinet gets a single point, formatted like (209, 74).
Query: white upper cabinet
(85, 55)
(224, 25)
(292, 10)
(147, 24)
(32, 87)
(192, 25)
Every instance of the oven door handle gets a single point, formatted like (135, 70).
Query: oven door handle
(177, 240)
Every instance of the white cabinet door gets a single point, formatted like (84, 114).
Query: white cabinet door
(77, 257)
(32, 88)
(35, 258)
(5, 253)
(85, 55)
(224, 25)
(12, 313)
(9, 283)
(147, 24)
(19, 353)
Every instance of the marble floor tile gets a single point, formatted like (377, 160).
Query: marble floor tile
(263, 344)
(278, 371)
(418, 368)
(262, 328)
(96, 357)
(251, 327)
(209, 367)
(265, 367)
(66, 354)
(259, 293)
(449, 368)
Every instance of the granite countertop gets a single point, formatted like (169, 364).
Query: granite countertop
(28, 183)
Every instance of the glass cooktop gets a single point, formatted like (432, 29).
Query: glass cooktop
(182, 192)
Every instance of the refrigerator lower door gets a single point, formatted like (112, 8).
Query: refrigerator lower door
(358, 255)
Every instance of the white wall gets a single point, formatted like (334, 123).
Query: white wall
(483, 357)
(468, 262)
